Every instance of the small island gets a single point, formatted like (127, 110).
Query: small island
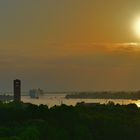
(132, 95)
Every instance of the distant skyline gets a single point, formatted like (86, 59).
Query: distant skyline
(75, 45)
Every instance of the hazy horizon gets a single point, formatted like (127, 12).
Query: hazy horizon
(70, 45)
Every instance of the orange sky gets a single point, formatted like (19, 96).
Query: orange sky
(69, 45)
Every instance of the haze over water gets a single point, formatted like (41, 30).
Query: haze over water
(58, 99)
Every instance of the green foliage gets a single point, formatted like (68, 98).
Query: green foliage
(21, 121)
(30, 134)
(10, 138)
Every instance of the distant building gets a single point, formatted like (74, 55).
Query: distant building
(34, 93)
(17, 90)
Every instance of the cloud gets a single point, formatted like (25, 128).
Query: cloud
(87, 54)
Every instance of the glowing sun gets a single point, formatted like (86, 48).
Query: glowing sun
(136, 27)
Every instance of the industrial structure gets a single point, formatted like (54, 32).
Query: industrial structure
(17, 90)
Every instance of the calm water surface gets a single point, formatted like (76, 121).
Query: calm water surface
(58, 99)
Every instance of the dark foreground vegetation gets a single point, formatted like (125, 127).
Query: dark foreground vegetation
(20, 121)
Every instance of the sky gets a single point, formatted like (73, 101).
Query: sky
(69, 45)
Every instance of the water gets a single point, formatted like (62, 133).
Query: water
(58, 99)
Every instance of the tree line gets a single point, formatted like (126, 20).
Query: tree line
(25, 121)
